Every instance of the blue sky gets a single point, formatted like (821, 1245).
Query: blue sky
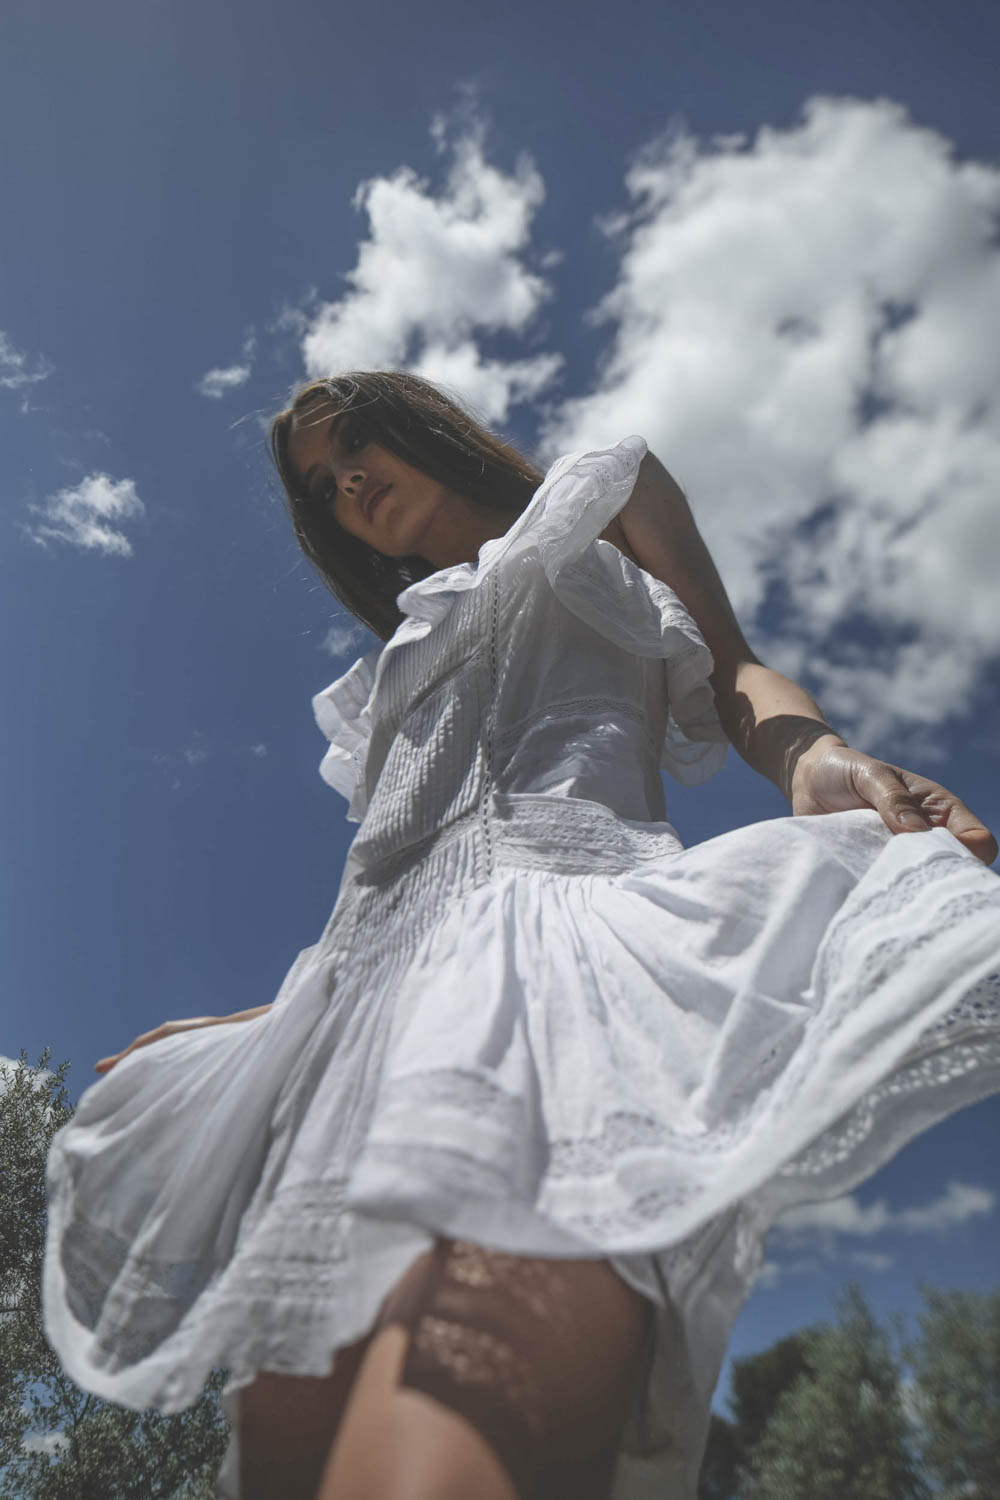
(763, 238)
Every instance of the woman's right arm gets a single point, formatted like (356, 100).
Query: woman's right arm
(170, 1027)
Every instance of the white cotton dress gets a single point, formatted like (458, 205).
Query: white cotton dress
(534, 1020)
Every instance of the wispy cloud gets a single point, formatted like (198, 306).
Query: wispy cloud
(845, 1216)
(181, 764)
(797, 327)
(439, 269)
(821, 1229)
(218, 383)
(17, 369)
(175, 763)
(872, 1260)
(88, 515)
(347, 637)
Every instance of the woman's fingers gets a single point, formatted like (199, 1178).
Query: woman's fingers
(912, 802)
(168, 1028)
(107, 1063)
(964, 824)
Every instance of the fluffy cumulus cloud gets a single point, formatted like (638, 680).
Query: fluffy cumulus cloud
(89, 515)
(799, 326)
(799, 323)
(438, 271)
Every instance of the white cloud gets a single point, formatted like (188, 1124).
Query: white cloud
(16, 370)
(806, 1240)
(195, 753)
(258, 751)
(12, 1065)
(88, 515)
(45, 1442)
(798, 326)
(837, 1216)
(773, 1271)
(347, 637)
(436, 270)
(872, 1260)
(175, 763)
(218, 383)
(960, 1202)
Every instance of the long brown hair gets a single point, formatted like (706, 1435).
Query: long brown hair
(419, 424)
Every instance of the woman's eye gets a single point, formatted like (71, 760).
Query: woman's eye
(353, 435)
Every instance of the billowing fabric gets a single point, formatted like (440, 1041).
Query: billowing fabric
(534, 1022)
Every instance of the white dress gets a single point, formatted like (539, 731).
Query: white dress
(534, 1019)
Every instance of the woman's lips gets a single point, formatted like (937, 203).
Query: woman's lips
(376, 497)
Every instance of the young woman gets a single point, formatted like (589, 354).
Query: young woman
(470, 1210)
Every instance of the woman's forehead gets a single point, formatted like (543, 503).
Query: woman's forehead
(309, 432)
(313, 412)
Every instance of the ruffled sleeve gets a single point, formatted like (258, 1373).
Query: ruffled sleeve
(343, 714)
(581, 495)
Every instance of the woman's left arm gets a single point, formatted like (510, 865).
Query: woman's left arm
(773, 723)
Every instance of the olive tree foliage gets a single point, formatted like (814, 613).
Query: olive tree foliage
(818, 1416)
(56, 1441)
(757, 1383)
(840, 1431)
(956, 1391)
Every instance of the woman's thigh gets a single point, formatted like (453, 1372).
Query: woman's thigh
(541, 1356)
(287, 1424)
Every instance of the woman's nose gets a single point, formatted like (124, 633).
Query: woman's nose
(349, 478)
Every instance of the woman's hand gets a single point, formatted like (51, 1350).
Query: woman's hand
(832, 777)
(170, 1027)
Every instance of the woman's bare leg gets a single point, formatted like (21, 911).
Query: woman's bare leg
(287, 1423)
(488, 1376)
(395, 1442)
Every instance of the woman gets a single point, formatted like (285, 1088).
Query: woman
(471, 1208)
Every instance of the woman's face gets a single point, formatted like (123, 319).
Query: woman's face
(378, 497)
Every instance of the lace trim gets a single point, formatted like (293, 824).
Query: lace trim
(458, 1088)
(489, 769)
(572, 835)
(626, 1131)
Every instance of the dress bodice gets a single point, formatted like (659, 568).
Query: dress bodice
(555, 667)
